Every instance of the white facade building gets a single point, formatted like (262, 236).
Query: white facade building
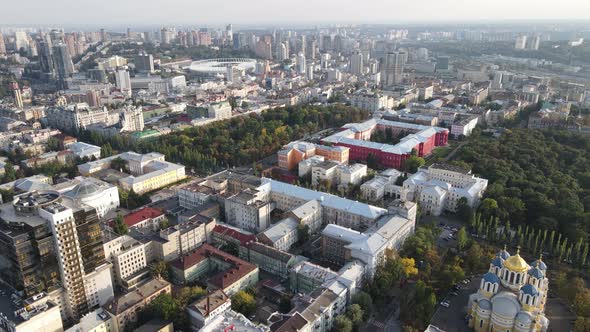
(249, 210)
(102, 196)
(281, 235)
(439, 187)
(464, 127)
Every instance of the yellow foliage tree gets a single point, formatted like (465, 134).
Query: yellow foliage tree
(409, 265)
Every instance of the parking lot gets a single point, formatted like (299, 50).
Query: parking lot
(452, 319)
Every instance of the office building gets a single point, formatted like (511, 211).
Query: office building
(144, 62)
(393, 69)
(442, 63)
(220, 111)
(102, 196)
(123, 80)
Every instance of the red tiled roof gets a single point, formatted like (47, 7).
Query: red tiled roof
(230, 232)
(141, 215)
(239, 267)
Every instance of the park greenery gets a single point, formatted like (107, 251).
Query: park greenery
(238, 141)
(538, 179)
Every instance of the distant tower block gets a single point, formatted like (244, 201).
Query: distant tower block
(18, 98)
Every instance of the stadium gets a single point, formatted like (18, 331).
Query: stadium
(219, 66)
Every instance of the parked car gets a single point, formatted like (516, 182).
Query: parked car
(445, 304)
(454, 293)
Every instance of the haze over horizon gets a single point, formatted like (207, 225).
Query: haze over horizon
(138, 12)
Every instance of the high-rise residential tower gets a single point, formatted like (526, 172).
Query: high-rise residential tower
(356, 63)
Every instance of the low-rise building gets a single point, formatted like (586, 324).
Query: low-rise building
(269, 259)
(95, 321)
(38, 313)
(124, 309)
(305, 277)
(326, 171)
(203, 311)
(305, 166)
(464, 127)
(220, 111)
(351, 174)
(220, 269)
(224, 235)
(185, 237)
(281, 235)
(84, 150)
(145, 218)
(376, 188)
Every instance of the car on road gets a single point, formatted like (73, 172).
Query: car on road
(445, 304)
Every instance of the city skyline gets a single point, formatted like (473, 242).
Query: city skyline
(265, 12)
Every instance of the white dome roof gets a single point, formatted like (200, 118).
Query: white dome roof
(84, 189)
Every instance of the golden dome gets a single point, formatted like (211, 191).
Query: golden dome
(516, 263)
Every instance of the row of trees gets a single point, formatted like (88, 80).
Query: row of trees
(237, 141)
(532, 239)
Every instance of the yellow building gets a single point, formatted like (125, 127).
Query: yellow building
(511, 296)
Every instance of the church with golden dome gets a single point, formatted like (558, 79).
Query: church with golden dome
(511, 296)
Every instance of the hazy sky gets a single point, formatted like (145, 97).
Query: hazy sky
(155, 12)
